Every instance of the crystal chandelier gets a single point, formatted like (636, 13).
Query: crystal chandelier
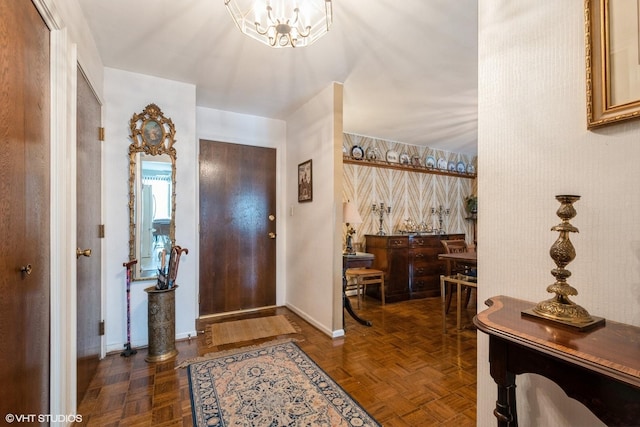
(282, 23)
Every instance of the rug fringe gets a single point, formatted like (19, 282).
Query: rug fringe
(222, 353)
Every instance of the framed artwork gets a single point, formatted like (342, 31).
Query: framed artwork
(305, 182)
(612, 38)
(152, 132)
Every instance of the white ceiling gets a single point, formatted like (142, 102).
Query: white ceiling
(409, 67)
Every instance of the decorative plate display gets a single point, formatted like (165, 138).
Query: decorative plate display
(442, 163)
(461, 167)
(405, 159)
(430, 162)
(392, 156)
(373, 154)
(471, 169)
(451, 167)
(357, 152)
(416, 161)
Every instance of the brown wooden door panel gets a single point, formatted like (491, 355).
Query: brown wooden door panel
(88, 188)
(24, 209)
(237, 256)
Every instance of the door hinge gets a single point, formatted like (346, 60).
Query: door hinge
(101, 134)
(101, 328)
(101, 231)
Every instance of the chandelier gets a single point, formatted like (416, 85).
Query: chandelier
(282, 23)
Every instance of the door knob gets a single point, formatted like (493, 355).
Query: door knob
(272, 235)
(80, 252)
(26, 269)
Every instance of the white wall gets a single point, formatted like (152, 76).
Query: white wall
(533, 145)
(125, 94)
(313, 235)
(128, 93)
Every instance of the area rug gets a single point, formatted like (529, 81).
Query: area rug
(269, 385)
(248, 330)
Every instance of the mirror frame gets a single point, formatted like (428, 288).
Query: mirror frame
(152, 134)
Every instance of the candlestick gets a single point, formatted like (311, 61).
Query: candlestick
(381, 210)
(441, 213)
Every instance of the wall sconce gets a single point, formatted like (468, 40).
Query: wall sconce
(350, 216)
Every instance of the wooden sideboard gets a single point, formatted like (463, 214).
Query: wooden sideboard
(600, 367)
(411, 264)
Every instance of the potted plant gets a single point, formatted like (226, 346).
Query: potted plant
(471, 204)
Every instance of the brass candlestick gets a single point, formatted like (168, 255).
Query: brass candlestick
(561, 308)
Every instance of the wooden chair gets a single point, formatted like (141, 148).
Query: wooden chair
(451, 247)
(459, 280)
(364, 277)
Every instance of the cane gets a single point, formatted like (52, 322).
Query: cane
(128, 351)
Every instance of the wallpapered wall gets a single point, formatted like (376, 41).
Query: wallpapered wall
(410, 194)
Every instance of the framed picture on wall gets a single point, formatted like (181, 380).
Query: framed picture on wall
(305, 182)
(612, 61)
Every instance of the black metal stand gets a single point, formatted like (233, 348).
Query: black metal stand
(128, 351)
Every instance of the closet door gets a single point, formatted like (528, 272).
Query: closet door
(24, 210)
(88, 189)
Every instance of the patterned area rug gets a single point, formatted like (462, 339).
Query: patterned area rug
(269, 385)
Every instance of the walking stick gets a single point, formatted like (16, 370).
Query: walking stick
(128, 351)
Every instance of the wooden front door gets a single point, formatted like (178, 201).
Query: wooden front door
(237, 227)
(88, 190)
(24, 210)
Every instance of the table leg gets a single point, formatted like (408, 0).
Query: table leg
(443, 298)
(347, 305)
(505, 410)
(458, 307)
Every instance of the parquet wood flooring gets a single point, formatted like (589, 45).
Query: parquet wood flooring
(402, 370)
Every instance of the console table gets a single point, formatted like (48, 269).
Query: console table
(600, 367)
(356, 260)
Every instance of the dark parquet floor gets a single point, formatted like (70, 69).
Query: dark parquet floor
(403, 370)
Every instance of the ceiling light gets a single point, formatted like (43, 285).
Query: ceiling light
(282, 23)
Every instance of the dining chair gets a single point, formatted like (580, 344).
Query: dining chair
(457, 246)
(364, 277)
(460, 281)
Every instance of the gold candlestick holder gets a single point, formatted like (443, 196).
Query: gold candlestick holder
(560, 308)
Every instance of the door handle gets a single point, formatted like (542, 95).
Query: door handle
(80, 252)
(272, 235)
(26, 269)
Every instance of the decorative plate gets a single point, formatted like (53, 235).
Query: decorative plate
(442, 163)
(451, 167)
(357, 152)
(461, 167)
(416, 161)
(471, 169)
(392, 156)
(430, 162)
(372, 153)
(405, 159)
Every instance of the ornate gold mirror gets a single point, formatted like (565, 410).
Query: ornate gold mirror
(152, 191)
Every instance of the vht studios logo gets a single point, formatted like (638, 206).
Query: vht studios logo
(42, 418)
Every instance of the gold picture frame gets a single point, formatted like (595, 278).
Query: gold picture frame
(612, 38)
